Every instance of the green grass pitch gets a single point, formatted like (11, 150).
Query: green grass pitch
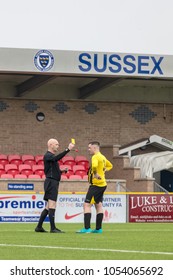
(130, 241)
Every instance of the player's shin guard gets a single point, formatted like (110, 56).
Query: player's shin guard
(42, 217)
(87, 219)
(99, 219)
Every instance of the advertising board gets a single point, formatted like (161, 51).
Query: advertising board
(27, 208)
(150, 208)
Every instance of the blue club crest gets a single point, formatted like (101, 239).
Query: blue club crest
(44, 60)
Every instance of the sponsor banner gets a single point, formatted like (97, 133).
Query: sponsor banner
(85, 63)
(70, 209)
(27, 208)
(19, 219)
(151, 208)
(20, 187)
(20, 207)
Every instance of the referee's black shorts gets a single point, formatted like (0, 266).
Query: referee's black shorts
(51, 187)
(96, 193)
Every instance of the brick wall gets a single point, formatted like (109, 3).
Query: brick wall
(65, 186)
(108, 122)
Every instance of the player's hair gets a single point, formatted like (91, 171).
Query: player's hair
(95, 143)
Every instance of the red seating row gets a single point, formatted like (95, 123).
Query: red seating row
(29, 166)
(39, 169)
(22, 169)
(21, 176)
(74, 170)
(38, 159)
(21, 159)
(78, 160)
(74, 177)
(35, 176)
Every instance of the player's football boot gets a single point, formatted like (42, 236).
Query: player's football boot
(84, 230)
(97, 230)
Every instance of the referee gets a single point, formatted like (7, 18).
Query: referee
(96, 178)
(51, 184)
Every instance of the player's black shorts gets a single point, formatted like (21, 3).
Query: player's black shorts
(96, 193)
(51, 187)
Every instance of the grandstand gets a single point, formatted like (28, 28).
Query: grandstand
(14, 166)
(62, 99)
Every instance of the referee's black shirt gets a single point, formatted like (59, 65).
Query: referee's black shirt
(51, 165)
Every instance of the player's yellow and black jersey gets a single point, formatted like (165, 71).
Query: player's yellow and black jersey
(99, 164)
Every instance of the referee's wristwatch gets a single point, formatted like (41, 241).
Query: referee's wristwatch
(67, 150)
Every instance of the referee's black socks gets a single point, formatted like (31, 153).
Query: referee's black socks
(52, 218)
(42, 217)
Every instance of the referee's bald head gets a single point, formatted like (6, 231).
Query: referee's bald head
(53, 145)
(51, 141)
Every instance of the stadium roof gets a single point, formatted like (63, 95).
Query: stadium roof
(88, 72)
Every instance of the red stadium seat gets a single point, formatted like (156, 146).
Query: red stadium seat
(69, 160)
(2, 169)
(78, 167)
(34, 176)
(28, 159)
(85, 164)
(25, 169)
(64, 166)
(39, 159)
(64, 159)
(3, 159)
(38, 169)
(60, 162)
(15, 159)
(82, 160)
(71, 163)
(20, 176)
(6, 176)
(11, 169)
(64, 177)
(81, 172)
(75, 177)
(85, 177)
(69, 172)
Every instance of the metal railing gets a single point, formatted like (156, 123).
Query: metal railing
(159, 188)
(119, 187)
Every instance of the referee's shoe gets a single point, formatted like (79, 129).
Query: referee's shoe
(40, 229)
(56, 230)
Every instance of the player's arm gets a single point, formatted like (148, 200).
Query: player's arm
(52, 157)
(109, 165)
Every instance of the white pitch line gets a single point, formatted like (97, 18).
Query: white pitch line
(86, 249)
